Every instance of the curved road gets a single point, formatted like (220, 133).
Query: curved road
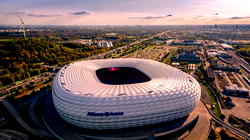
(231, 128)
(13, 112)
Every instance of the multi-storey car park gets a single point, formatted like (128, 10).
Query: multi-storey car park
(121, 93)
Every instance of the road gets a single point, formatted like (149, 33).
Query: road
(32, 109)
(243, 82)
(227, 126)
(15, 115)
(202, 129)
(240, 80)
(51, 67)
(237, 60)
(24, 83)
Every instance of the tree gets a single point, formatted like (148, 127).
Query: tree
(27, 75)
(222, 117)
(18, 77)
(37, 71)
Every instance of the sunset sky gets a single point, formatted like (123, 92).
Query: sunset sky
(125, 12)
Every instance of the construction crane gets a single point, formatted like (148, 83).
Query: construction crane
(22, 28)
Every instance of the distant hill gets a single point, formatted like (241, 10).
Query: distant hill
(22, 58)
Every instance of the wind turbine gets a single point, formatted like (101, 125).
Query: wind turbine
(22, 27)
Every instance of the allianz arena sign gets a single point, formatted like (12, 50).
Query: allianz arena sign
(106, 114)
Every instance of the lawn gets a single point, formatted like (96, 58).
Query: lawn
(214, 101)
(169, 55)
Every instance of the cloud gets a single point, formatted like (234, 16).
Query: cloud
(239, 17)
(31, 14)
(15, 13)
(41, 15)
(216, 14)
(197, 17)
(81, 13)
(153, 17)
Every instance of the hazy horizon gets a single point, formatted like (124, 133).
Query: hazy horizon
(125, 12)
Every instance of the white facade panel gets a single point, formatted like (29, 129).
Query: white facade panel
(81, 99)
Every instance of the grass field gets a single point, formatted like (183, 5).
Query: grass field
(214, 101)
(169, 55)
(151, 52)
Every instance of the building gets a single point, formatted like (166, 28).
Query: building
(186, 43)
(228, 68)
(223, 55)
(217, 53)
(121, 93)
(210, 74)
(83, 41)
(105, 44)
(236, 91)
(187, 57)
(191, 66)
(175, 64)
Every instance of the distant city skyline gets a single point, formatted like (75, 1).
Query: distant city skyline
(124, 12)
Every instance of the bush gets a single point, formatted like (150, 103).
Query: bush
(222, 117)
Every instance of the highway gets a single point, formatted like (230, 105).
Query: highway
(51, 67)
(24, 83)
(32, 109)
(13, 112)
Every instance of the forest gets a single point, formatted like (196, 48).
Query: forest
(244, 52)
(23, 58)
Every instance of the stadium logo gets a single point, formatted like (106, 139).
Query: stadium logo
(106, 114)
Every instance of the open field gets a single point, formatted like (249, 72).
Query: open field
(169, 55)
(241, 109)
(152, 52)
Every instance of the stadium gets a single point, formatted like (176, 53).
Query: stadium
(121, 93)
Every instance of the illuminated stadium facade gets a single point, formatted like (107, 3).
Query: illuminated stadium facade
(121, 93)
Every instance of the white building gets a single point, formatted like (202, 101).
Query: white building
(121, 93)
(105, 44)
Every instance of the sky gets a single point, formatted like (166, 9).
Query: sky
(124, 12)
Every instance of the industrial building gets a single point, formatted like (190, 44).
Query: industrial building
(186, 43)
(228, 68)
(187, 57)
(236, 91)
(217, 53)
(122, 93)
(210, 74)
